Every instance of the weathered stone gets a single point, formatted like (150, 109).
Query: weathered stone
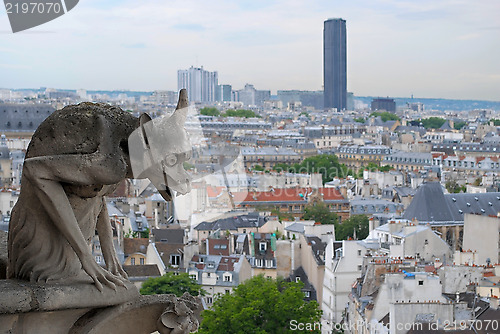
(76, 157)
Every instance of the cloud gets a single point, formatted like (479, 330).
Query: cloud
(189, 26)
(274, 44)
(134, 46)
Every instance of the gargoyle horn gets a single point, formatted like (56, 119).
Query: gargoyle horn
(180, 114)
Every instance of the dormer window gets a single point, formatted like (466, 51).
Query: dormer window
(262, 246)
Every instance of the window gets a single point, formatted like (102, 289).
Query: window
(297, 279)
(228, 291)
(227, 278)
(269, 263)
(132, 261)
(359, 252)
(307, 294)
(193, 277)
(360, 267)
(262, 246)
(420, 282)
(209, 300)
(141, 261)
(175, 260)
(98, 259)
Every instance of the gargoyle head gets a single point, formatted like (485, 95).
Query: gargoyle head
(159, 148)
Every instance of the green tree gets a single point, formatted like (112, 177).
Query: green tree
(433, 122)
(496, 122)
(209, 111)
(453, 187)
(359, 120)
(373, 166)
(459, 125)
(326, 164)
(175, 283)
(320, 213)
(258, 168)
(358, 223)
(240, 113)
(137, 234)
(281, 167)
(259, 306)
(385, 116)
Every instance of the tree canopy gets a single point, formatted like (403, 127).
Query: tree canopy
(454, 188)
(209, 111)
(359, 120)
(320, 213)
(346, 229)
(240, 113)
(175, 283)
(459, 125)
(373, 166)
(432, 122)
(326, 164)
(496, 122)
(260, 305)
(386, 116)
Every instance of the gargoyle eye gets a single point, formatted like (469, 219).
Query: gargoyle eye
(171, 160)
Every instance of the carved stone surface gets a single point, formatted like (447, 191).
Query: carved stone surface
(3, 254)
(76, 157)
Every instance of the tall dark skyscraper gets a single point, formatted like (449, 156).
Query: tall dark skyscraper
(335, 64)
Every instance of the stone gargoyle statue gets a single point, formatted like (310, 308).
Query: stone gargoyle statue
(76, 157)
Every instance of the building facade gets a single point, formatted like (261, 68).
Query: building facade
(201, 85)
(335, 64)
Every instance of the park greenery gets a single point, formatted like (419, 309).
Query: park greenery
(454, 188)
(212, 111)
(240, 113)
(496, 122)
(260, 305)
(209, 111)
(459, 125)
(432, 122)
(326, 164)
(385, 116)
(137, 234)
(360, 120)
(320, 213)
(174, 283)
(358, 223)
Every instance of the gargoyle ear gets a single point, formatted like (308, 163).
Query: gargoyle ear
(180, 114)
(143, 119)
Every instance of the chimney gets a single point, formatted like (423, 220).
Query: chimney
(343, 191)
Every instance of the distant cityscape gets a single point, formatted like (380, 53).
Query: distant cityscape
(410, 186)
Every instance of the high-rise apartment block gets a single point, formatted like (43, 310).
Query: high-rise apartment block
(386, 104)
(200, 84)
(223, 93)
(335, 64)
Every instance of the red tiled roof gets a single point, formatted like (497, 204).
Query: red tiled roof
(288, 195)
(214, 191)
(227, 263)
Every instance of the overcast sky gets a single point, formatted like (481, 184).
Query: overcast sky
(438, 48)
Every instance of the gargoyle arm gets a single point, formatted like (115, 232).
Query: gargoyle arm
(106, 239)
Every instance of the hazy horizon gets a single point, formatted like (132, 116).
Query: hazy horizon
(447, 49)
